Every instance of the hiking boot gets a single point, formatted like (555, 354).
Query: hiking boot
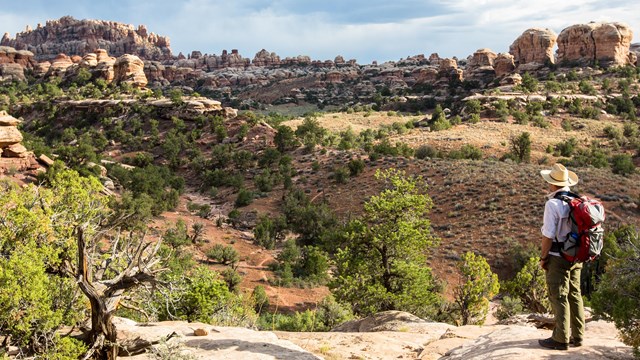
(552, 344)
(575, 342)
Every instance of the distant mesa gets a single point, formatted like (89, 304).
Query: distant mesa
(79, 37)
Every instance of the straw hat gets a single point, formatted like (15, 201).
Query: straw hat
(560, 176)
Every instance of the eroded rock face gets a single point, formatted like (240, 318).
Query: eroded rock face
(585, 44)
(504, 64)
(265, 58)
(13, 63)
(534, 46)
(79, 37)
(129, 68)
(9, 133)
(480, 66)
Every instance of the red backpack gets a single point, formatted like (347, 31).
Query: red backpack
(584, 242)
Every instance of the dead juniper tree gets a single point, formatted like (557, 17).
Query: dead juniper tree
(106, 270)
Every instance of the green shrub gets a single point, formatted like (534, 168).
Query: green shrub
(567, 147)
(177, 236)
(474, 118)
(341, 174)
(225, 255)
(479, 284)
(426, 152)
(260, 299)
(473, 107)
(529, 285)
(467, 151)
(586, 87)
(356, 166)
(566, 125)
(622, 164)
(245, 197)
(613, 132)
(269, 231)
(509, 307)
(618, 295)
(521, 147)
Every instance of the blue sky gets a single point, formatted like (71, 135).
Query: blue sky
(365, 30)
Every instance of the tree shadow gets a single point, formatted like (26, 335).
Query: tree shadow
(276, 351)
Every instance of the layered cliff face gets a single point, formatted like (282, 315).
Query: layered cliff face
(79, 37)
(605, 43)
(13, 62)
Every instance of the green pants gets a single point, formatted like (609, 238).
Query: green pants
(563, 282)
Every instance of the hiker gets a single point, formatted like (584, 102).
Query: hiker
(563, 277)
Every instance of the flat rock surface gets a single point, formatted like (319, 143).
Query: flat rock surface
(518, 342)
(221, 343)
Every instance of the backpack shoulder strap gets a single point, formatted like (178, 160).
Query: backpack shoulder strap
(566, 196)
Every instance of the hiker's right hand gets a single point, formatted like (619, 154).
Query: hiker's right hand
(544, 264)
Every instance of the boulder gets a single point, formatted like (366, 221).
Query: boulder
(504, 64)
(130, 69)
(480, 58)
(585, 44)
(15, 151)
(8, 120)
(9, 135)
(534, 46)
(392, 320)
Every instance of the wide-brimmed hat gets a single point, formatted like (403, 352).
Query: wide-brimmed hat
(560, 176)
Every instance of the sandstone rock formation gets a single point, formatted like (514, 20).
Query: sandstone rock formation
(534, 46)
(218, 343)
(480, 66)
(13, 63)
(265, 58)
(129, 69)
(13, 155)
(79, 37)
(585, 44)
(9, 133)
(504, 64)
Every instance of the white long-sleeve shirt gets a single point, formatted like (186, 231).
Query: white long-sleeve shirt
(556, 222)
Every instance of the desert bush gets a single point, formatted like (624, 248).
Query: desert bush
(509, 307)
(474, 119)
(356, 166)
(566, 148)
(225, 255)
(566, 125)
(529, 285)
(467, 151)
(618, 293)
(622, 164)
(613, 132)
(341, 174)
(630, 130)
(473, 107)
(269, 231)
(586, 87)
(177, 236)
(264, 181)
(520, 117)
(521, 147)
(260, 299)
(426, 152)
(594, 156)
(479, 284)
(245, 197)
(529, 83)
